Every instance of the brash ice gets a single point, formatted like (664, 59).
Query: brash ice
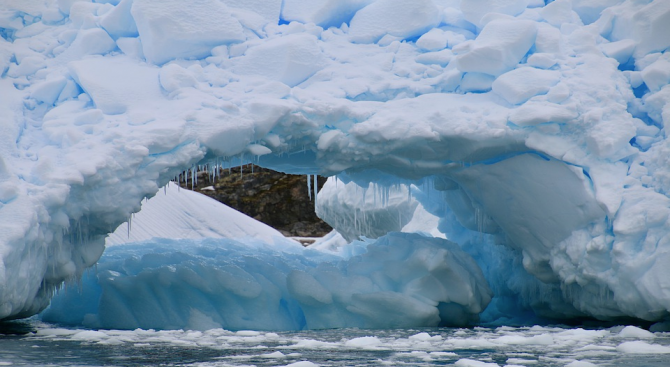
(533, 134)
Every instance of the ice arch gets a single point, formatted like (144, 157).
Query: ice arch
(559, 146)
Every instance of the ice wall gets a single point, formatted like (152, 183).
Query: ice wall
(542, 125)
(401, 280)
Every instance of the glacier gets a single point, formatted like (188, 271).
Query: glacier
(531, 133)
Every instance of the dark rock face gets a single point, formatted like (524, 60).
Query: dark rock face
(274, 198)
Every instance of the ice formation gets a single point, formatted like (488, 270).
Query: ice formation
(401, 280)
(536, 131)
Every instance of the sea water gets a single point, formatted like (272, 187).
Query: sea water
(33, 343)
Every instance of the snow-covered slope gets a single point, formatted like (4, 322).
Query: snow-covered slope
(178, 213)
(542, 127)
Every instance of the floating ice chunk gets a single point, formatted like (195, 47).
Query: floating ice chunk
(301, 364)
(520, 362)
(115, 84)
(290, 59)
(635, 332)
(474, 10)
(519, 85)
(466, 362)
(395, 17)
(499, 47)
(363, 342)
(541, 339)
(640, 347)
(581, 364)
(171, 29)
(325, 13)
(425, 337)
(119, 22)
(89, 335)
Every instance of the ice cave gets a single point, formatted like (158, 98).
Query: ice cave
(490, 161)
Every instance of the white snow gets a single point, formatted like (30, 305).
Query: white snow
(498, 48)
(177, 29)
(536, 136)
(181, 213)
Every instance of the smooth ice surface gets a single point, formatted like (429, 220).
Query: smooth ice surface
(180, 213)
(536, 133)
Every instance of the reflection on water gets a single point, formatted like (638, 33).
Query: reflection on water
(32, 343)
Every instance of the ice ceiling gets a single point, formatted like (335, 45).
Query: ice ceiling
(536, 132)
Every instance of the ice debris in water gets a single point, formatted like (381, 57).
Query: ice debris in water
(504, 346)
(543, 127)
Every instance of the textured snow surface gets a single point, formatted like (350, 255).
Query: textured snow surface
(536, 134)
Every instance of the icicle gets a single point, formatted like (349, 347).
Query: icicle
(216, 168)
(309, 187)
(316, 190)
(130, 221)
(241, 164)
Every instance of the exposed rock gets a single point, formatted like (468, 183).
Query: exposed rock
(277, 199)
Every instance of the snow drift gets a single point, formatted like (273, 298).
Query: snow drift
(538, 130)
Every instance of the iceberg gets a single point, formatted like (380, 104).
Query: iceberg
(532, 135)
